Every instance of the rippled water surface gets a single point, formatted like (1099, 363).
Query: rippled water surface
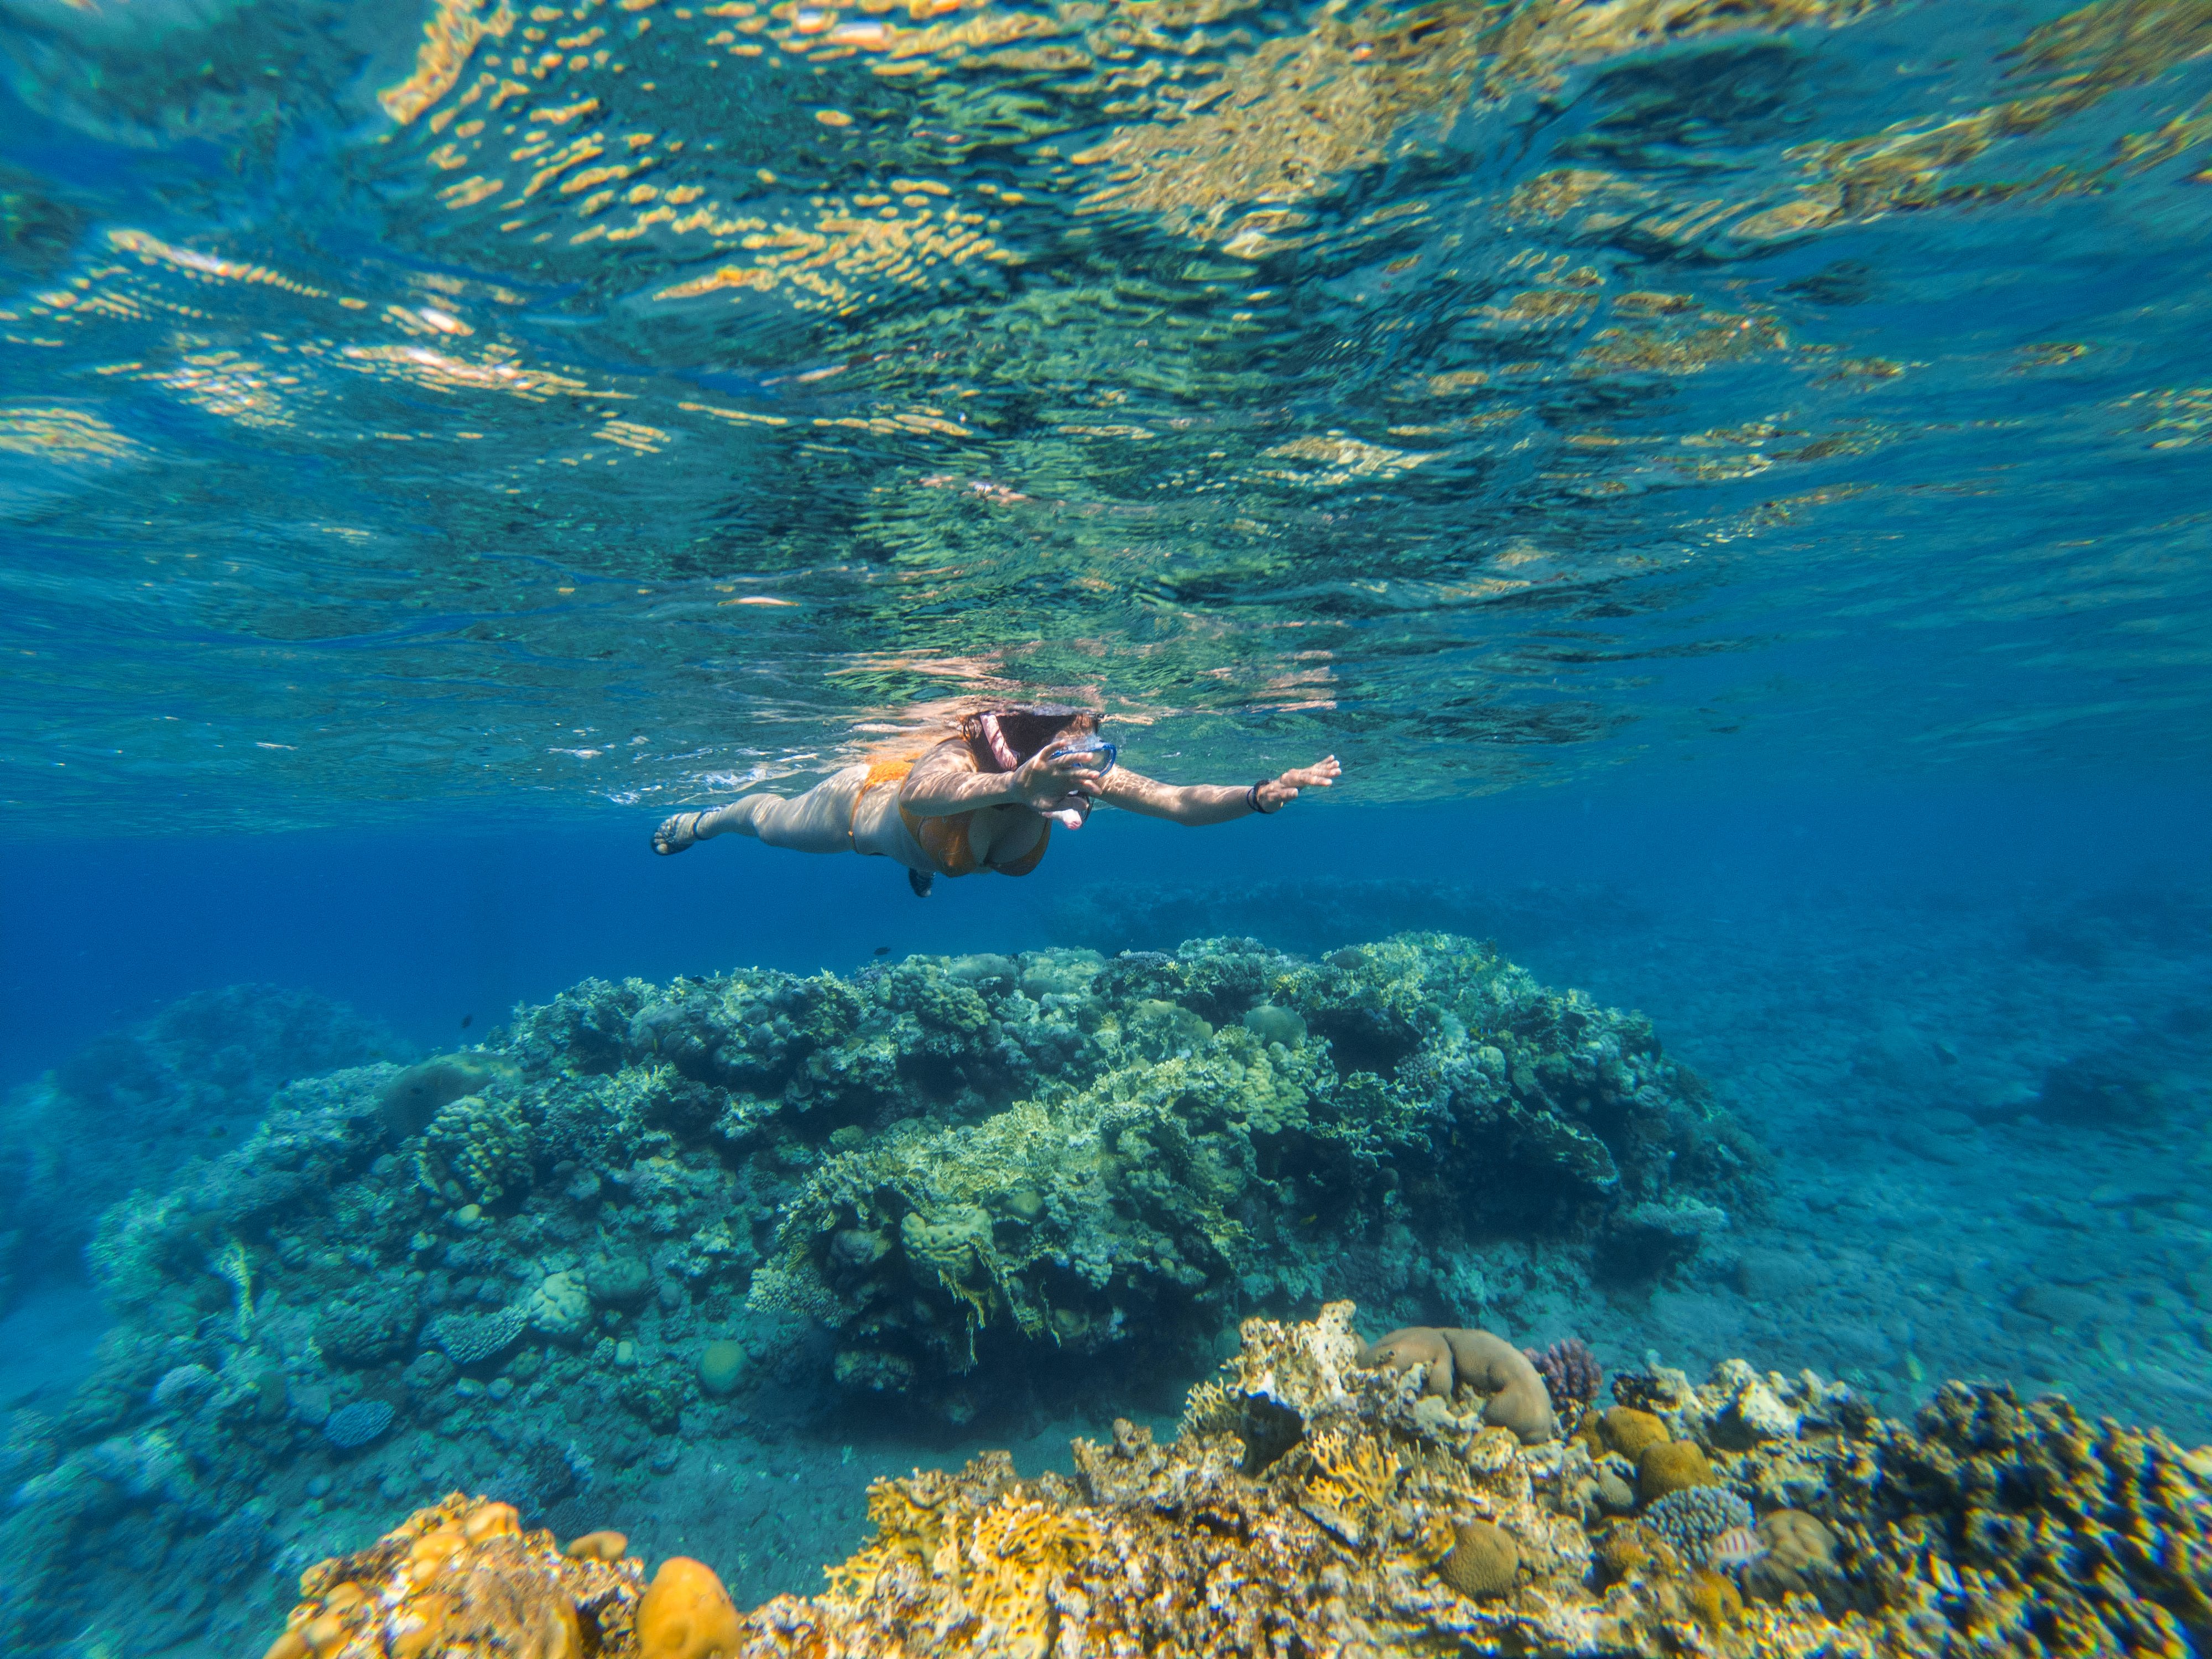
(410, 400)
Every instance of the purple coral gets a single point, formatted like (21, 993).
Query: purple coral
(1570, 1371)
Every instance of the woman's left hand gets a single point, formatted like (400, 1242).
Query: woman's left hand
(1278, 793)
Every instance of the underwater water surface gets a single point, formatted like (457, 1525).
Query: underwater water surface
(1727, 480)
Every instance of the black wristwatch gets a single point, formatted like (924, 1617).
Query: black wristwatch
(1252, 798)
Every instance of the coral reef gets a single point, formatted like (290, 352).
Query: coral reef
(1185, 1158)
(980, 1183)
(1313, 1505)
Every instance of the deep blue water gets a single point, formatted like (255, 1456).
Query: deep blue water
(467, 918)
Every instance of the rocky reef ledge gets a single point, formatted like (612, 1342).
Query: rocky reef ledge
(1310, 1505)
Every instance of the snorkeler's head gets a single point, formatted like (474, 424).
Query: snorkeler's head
(1006, 737)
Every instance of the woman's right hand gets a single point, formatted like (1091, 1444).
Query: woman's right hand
(1050, 776)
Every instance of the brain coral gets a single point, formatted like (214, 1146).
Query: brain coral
(560, 1306)
(468, 1339)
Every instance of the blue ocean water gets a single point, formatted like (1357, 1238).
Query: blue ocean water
(1726, 480)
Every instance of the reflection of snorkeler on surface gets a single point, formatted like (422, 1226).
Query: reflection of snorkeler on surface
(985, 799)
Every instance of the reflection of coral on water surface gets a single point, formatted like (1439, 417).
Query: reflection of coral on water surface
(1310, 1505)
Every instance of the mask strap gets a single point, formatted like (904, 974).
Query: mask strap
(995, 741)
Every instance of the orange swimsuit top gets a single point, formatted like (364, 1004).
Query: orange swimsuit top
(944, 838)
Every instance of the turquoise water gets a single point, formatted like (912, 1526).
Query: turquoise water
(1726, 480)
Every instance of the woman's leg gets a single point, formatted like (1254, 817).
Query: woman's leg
(819, 821)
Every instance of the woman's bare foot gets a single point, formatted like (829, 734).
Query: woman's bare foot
(677, 833)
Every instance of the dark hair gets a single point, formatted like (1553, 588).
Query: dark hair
(1028, 731)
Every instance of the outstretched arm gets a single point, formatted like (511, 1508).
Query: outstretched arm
(1196, 804)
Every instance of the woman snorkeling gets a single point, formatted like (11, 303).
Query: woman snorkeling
(985, 799)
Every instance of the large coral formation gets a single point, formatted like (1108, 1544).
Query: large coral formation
(1313, 1505)
(1180, 1155)
(1518, 1397)
(989, 1178)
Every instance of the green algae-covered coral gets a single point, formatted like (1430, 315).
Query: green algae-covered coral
(1057, 1152)
(1425, 1081)
(1059, 1221)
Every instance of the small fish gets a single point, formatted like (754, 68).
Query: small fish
(1737, 1547)
(467, 1020)
(883, 950)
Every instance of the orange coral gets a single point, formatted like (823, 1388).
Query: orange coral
(461, 1581)
(686, 1613)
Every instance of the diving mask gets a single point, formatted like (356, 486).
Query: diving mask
(1091, 748)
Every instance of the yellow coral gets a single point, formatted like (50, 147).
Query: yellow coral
(1016, 1550)
(1356, 1483)
(994, 1571)
(1207, 1409)
(1714, 1599)
(905, 1526)
(461, 1581)
(685, 1614)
